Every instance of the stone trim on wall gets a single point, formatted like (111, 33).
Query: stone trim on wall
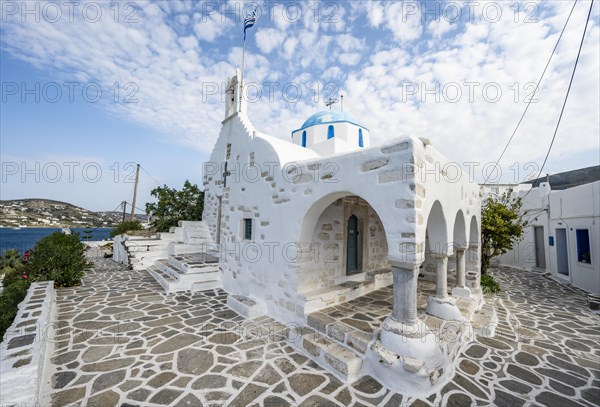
(26, 346)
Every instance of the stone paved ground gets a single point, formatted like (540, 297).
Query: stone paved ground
(123, 342)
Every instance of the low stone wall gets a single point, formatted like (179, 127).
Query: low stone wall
(26, 346)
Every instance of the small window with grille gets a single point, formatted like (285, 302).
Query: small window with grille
(248, 229)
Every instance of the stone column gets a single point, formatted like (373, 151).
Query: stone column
(442, 306)
(403, 333)
(461, 290)
(473, 272)
(441, 290)
(405, 294)
(460, 267)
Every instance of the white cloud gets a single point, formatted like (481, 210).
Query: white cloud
(209, 27)
(173, 69)
(375, 13)
(349, 58)
(268, 39)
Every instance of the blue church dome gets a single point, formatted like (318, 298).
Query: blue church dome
(328, 116)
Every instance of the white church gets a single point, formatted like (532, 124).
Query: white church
(325, 218)
(368, 256)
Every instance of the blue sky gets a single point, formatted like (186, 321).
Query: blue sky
(170, 60)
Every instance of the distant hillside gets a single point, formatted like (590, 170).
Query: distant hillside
(49, 213)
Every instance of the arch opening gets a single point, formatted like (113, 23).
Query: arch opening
(343, 239)
(459, 236)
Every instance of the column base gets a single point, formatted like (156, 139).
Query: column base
(461, 292)
(444, 308)
(411, 340)
(408, 359)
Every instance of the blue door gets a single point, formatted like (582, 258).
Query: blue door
(352, 246)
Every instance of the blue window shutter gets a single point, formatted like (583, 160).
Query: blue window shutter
(304, 138)
(330, 132)
(360, 138)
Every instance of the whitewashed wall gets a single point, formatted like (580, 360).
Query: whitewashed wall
(572, 209)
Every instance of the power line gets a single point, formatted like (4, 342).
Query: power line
(562, 110)
(143, 210)
(147, 173)
(111, 213)
(533, 94)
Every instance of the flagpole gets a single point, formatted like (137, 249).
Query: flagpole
(241, 95)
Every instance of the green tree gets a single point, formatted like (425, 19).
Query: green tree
(174, 205)
(501, 226)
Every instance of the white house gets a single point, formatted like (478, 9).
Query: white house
(563, 236)
(323, 218)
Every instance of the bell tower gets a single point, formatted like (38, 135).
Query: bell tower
(232, 95)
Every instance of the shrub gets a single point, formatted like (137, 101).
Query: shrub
(9, 262)
(15, 288)
(10, 298)
(127, 226)
(58, 257)
(489, 284)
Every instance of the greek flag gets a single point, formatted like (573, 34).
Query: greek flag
(249, 22)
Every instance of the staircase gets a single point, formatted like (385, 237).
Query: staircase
(189, 261)
(194, 272)
(337, 347)
(185, 258)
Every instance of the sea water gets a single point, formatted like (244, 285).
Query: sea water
(25, 238)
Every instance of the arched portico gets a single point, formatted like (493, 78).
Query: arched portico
(460, 245)
(343, 241)
(441, 305)
(472, 260)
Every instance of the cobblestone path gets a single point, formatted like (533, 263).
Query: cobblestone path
(122, 342)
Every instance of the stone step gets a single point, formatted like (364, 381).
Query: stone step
(149, 256)
(191, 275)
(336, 294)
(178, 248)
(194, 262)
(245, 306)
(188, 283)
(161, 278)
(340, 332)
(194, 229)
(205, 285)
(333, 357)
(198, 239)
(164, 266)
(192, 223)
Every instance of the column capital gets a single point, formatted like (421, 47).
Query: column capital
(474, 245)
(440, 256)
(403, 264)
(461, 248)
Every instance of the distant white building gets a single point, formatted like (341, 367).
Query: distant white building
(563, 237)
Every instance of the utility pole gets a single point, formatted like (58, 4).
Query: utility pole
(124, 203)
(137, 177)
